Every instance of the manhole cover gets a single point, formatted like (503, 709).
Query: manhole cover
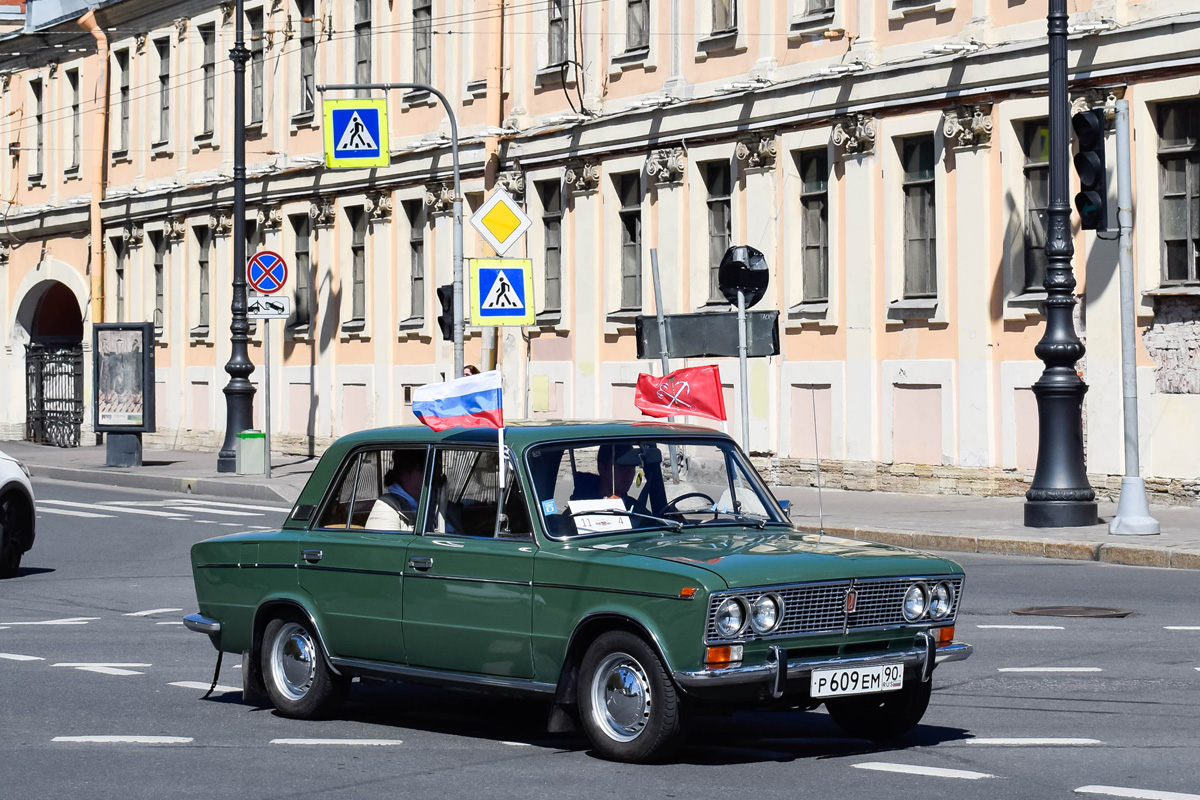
(1071, 611)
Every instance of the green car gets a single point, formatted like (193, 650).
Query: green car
(631, 573)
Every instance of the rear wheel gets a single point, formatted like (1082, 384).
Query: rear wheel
(883, 716)
(14, 523)
(629, 706)
(298, 679)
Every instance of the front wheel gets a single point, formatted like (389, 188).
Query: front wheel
(629, 707)
(299, 681)
(15, 524)
(882, 716)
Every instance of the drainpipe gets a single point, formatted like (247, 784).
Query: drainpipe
(100, 167)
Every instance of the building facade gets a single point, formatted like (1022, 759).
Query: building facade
(888, 156)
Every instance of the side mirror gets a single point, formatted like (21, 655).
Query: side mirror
(786, 505)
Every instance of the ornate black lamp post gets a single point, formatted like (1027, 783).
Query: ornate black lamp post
(239, 392)
(1060, 495)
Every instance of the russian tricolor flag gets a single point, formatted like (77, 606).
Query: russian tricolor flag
(476, 401)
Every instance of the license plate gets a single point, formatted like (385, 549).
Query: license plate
(857, 680)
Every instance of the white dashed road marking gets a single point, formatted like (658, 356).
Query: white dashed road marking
(228, 505)
(68, 513)
(19, 657)
(1049, 669)
(517, 744)
(151, 612)
(1016, 742)
(204, 687)
(119, 509)
(932, 772)
(1022, 627)
(1181, 627)
(103, 668)
(1137, 794)
(217, 511)
(124, 739)
(70, 621)
(172, 622)
(365, 742)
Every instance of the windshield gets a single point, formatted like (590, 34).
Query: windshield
(590, 487)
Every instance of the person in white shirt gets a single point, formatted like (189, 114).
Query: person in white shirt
(396, 508)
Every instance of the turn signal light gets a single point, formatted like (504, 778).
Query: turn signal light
(723, 656)
(687, 592)
(945, 636)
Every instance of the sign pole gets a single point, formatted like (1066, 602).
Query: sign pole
(742, 365)
(267, 395)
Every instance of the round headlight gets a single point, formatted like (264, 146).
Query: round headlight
(731, 616)
(766, 613)
(941, 600)
(915, 601)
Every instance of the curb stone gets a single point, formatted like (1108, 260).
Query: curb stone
(114, 476)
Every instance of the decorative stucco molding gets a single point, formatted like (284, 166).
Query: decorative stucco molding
(322, 212)
(181, 26)
(379, 205)
(1104, 97)
(583, 176)
(854, 134)
(758, 152)
(968, 126)
(513, 182)
(176, 228)
(667, 165)
(270, 218)
(439, 198)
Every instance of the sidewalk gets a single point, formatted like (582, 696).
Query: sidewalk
(925, 522)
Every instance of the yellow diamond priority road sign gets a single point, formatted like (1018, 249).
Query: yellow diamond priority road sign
(500, 221)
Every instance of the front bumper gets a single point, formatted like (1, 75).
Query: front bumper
(201, 624)
(925, 656)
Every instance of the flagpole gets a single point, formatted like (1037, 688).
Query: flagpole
(662, 346)
(500, 485)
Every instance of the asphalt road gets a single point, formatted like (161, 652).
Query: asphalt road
(107, 587)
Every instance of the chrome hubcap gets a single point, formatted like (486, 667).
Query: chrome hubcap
(293, 661)
(621, 697)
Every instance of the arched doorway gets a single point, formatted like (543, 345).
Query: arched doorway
(53, 364)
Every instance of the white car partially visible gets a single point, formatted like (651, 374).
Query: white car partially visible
(16, 514)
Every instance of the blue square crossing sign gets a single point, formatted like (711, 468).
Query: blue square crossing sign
(356, 133)
(502, 291)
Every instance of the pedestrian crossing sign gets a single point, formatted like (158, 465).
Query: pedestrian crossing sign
(501, 291)
(356, 133)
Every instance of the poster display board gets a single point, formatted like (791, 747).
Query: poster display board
(123, 377)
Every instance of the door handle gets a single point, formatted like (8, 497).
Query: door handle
(421, 562)
(312, 556)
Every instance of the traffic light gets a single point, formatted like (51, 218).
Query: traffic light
(445, 320)
(1092, 200)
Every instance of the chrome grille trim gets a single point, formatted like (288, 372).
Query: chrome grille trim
(811, 609)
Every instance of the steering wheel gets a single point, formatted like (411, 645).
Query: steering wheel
(670, 508)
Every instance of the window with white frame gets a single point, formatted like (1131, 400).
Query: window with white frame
(559, 31)
(159, 242)
(814, 7)
(358, 262)
(302, 261)
(550, 194)
(362, 44)
(724, 16)
(254, 21)
(637, 24)
(122, 59)
(718, 182)
(308, 55)
(208, 77)
(422, 41)
(1036, 141)
(814, 228)
(629, 193)
(414, 210)
(39, 131)
(162, 47)
(1179, 208)
(76, 121)
(920, 237)
(120, 258)
(203, 254)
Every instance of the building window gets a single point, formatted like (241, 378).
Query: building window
(637, 24)
(302, 226)
(308, 55)
(39, 132)
(159, 242)
(724, 16)
(208, 76)
(415, 211)
(203, 245)
(163, 48)
(76, 121)
(254, 21)
(422, 41)
(818, 7)
(1179, 160)
(121, 253)
(358, 262)
(717, 180)
(362, 44)
(122, 57)
(560, 31)
(1037, 201)
(814, 209)
(550, 193)
(629, 192)
(920, 239)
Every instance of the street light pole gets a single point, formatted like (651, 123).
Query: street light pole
(239, 392)
(458, 198)
(1060, 495)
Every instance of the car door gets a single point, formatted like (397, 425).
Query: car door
(468, 590)
(351, 564)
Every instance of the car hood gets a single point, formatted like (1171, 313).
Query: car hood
(747, 557)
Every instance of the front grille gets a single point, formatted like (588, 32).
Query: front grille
(815, 608)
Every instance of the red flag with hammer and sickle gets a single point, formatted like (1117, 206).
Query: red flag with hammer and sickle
(695, 391)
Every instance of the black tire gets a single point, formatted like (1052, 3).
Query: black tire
(298, 679)
(883, 716)
(13, 521)
(627, 702)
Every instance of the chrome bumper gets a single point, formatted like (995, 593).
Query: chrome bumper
(201, 624)
(798, 668)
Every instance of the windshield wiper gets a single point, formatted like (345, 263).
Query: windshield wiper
(673, 524)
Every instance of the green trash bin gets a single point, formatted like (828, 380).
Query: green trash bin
(250, 451)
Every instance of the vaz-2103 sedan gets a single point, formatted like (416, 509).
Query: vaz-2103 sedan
(634, 571)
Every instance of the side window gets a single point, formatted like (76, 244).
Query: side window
(337, 513)
(463, 498)
(367, 489)
(390, 500)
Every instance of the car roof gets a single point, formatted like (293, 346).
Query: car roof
(523, 433)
